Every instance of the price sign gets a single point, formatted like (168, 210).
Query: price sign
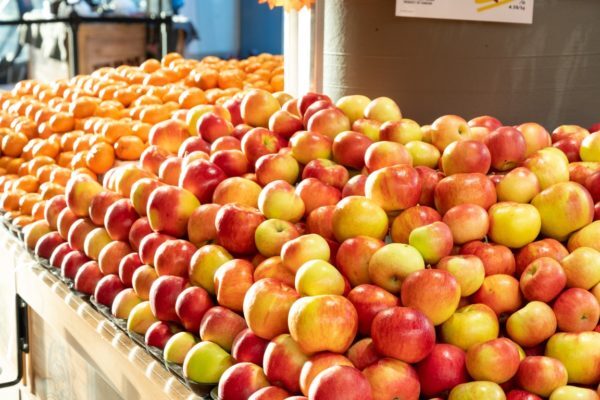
(512, 11)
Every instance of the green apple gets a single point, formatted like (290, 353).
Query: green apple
(178, 346)
(206, 362)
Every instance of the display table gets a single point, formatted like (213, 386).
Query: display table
(75, 352)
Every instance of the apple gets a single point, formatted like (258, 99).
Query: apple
(340, 381)
(220, 325)
(124, 302)
(71, 264)
(142, 280)
(191, 305)
(519, 185)
(318, 277)
(477, 390)
(270, 393)
(355, 186)
(285, 124)
(368, 300)
(470, 325)
(279, 200)
(383, 109)
(307, 146)
(236, 226)
(521, 395)
(138, 231)
(532, 324)
(353, 106)
(248, 347)
(433, 241)
(65, 219)
(443, 369)
(468, 270)
(111, 255)
(448, 129)
(353, 258)
(500, 292)
(496, 360)
(576, 310)
(564, 208)
(429, 180)
(257, 107)
(318, 363)
(193, 143)
(368, 127)
(94, 242)
(204, 263)
(140, 318)
(359, 216)
(536, 137)
(363, 353)
(53, 208)
(550, 166)
(59, 253)
(392, 263)
(87, 278)
(173, 257)
(507, 147)
(436, 293)
(579, 353)
(79, 192)
(466, 156)
(168, 135)
(201, 177)
(237, 190)
(206, 362)
(582, 268)
(323, 323)
(107, 289)
(590, 148)
(201, 224)
(163, 296)
(320, 221)
(260, 141)
(485, 121)
(394, 188)
(403, 333)
(327, 172)
(569, 392)
(592, 183)
(410, 219)
(541, 248)
(77, 232)
(328, 121)
(349, 149)
(391, 378)
(150, 244)
(386, 154)
(159, 333)
(272, 234)
(225, 143)
(543, 280)
(514, 225)
(423, 154)
(473, 188)
(232, 280)
(496, 258)
(283, 362)
(100, 203)
(273, 268)
(241, 380)
(569, 146)
(402, 131)
(586, 236)
(211, 126)
(273, 167)
(304, 248)
(315, 194)
(126, 176)
(46, 244)
(467, 222)
(541, 375)
(152, 157)
(169, 209)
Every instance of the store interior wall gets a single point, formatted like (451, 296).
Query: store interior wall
(547, 72)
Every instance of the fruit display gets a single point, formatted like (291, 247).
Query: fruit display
(304, 248)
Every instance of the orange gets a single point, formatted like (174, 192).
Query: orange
(9, 201)
(27, 202)
(23, 169)
(154, 114)
(231, 78)
(205, 79)
(129, 148)
(60, 176)
(108, 92)
(12, 144)
(39, 161)
(37, 212)
(61, 122)
(43, 115)
(27, 152)
(64, 159)
(13, 165)
(277, 82)
(44, 172)
(100, 158)
(83, 107)
(113, 130)
(27, 183)
(44, 130)
(48, 190)
(125, 96)
(68, 139)
(82, 143)
(141, 130)
(191, 97)
(4, 160)
(172, 95)
(46, 148)
(85, 171)
(150, 65)
(156, 79)
(78, 160)
(6, 182)
(109, 109)
(22, 220)
(169, 58)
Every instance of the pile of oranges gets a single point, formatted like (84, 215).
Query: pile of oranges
(88, 124)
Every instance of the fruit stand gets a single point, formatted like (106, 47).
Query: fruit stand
(187, 229)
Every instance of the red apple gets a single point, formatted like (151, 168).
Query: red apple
(236, 226)
(368, 301)
(386, 154)
(46, 244)
(541, 375)
(485, 121)
(221, 325)
(283, 363)
(507, 147)
(442, 369)
(173, 257)
(315, 194)
(87, 278)
(273, 167)
(59, 253)
(232, 162)
(193, 143)
(392, 379)
(241, 380)
(543, 280)
(107, 289)
(159, 333)
(260, 141)
(169, 209)
(127, 267)
(363, 353)
(285, 124)
(340, 381)
(500, 292)
(576, 310)
(429, 180)
(403, 333)
(448, 129)
(307, 146)
(211, 126)
(248, 347)
(465, 157)
(538, 249)
(497, 259)
(138, 231)
(191, 305)
(459, 189)
(327, 172)
(496, 360)
(355, 186)
(394, 188)
(349, 149)
(201, 177)
(163, 297)
(71, 263)
(149, 244)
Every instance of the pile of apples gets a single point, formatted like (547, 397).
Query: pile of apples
(293, 248)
